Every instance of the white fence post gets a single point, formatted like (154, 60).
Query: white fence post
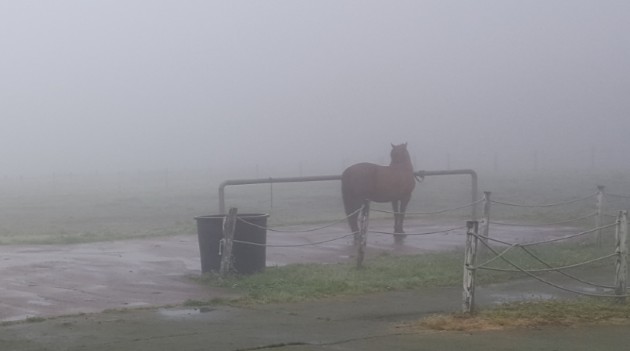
(227, 261)
(364, 217)
(470, 258)
(622, 252)
(599, 213)
(485, 221)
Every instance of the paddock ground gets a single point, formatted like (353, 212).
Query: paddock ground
(84, 280)
(53, 280)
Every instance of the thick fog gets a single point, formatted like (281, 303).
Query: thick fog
(277, 86)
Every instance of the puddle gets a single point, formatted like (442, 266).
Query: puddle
(184, 312)
(17, 318)
(501, 298)
(137, 304)
(40, 302)
(599, 290)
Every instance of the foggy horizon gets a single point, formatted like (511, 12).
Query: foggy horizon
(310, 86)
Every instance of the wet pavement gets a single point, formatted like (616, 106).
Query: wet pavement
(373, 322)
(52, 280)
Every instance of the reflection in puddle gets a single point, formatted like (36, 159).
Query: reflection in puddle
(507, 297)
(184, 312)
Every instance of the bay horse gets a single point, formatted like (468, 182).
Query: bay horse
(364, 182)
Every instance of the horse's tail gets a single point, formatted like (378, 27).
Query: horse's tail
(345, 194)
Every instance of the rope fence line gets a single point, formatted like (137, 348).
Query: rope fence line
(432, 212)
(295, 245)
(509, 248)
(418, 234)
(619, 196)
(507, 224)
(505, 203)
(526, 250)
(359, 237)
(566, 237)
(314, 229)
(353, 234)
(486, 240)
(273, 229)
(544, 281)
(618, 291)
(609, 215)
(346, 236)
(551, 269)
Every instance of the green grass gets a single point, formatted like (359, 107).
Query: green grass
(303, 282)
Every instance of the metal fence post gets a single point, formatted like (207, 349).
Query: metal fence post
(622, 252)
(599, 213)
(470, 258)
(485, 221)
(227, 261)
(364, 217)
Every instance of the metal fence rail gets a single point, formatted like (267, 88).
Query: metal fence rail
(421, 174)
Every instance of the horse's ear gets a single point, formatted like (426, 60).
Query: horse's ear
(393, 146)
(405, 144)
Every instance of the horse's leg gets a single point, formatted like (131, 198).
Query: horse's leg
(352, 211)
(395, 208)
(400, 233)
(361, 238)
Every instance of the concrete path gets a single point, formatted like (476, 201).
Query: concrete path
(367, 323)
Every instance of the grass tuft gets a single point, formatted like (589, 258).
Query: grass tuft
(532, 314)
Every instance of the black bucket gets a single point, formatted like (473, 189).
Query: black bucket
(248, 259)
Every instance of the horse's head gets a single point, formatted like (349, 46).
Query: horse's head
(400, 155)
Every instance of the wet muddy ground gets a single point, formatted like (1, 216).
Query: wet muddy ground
(51, 280)
(48, 281)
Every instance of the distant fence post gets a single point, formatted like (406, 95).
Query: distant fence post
(622, 252)
(599, 213)
(227, 261)
(485, 221)
(363, 226)
(470, 258)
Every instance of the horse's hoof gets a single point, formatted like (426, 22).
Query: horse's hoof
(399, 238)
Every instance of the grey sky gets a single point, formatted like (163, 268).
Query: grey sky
(126, 85)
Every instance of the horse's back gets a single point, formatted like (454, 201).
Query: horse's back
(377, 183)
(359, 178)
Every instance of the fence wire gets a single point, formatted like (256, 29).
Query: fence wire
(569, 236)
(544, 281)
(526, 250)
(431, 212)
(295, 245)
(418, 234)
(619, 196)
(507, 224)
(505, 203)
(551, 269)
(273, 229)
